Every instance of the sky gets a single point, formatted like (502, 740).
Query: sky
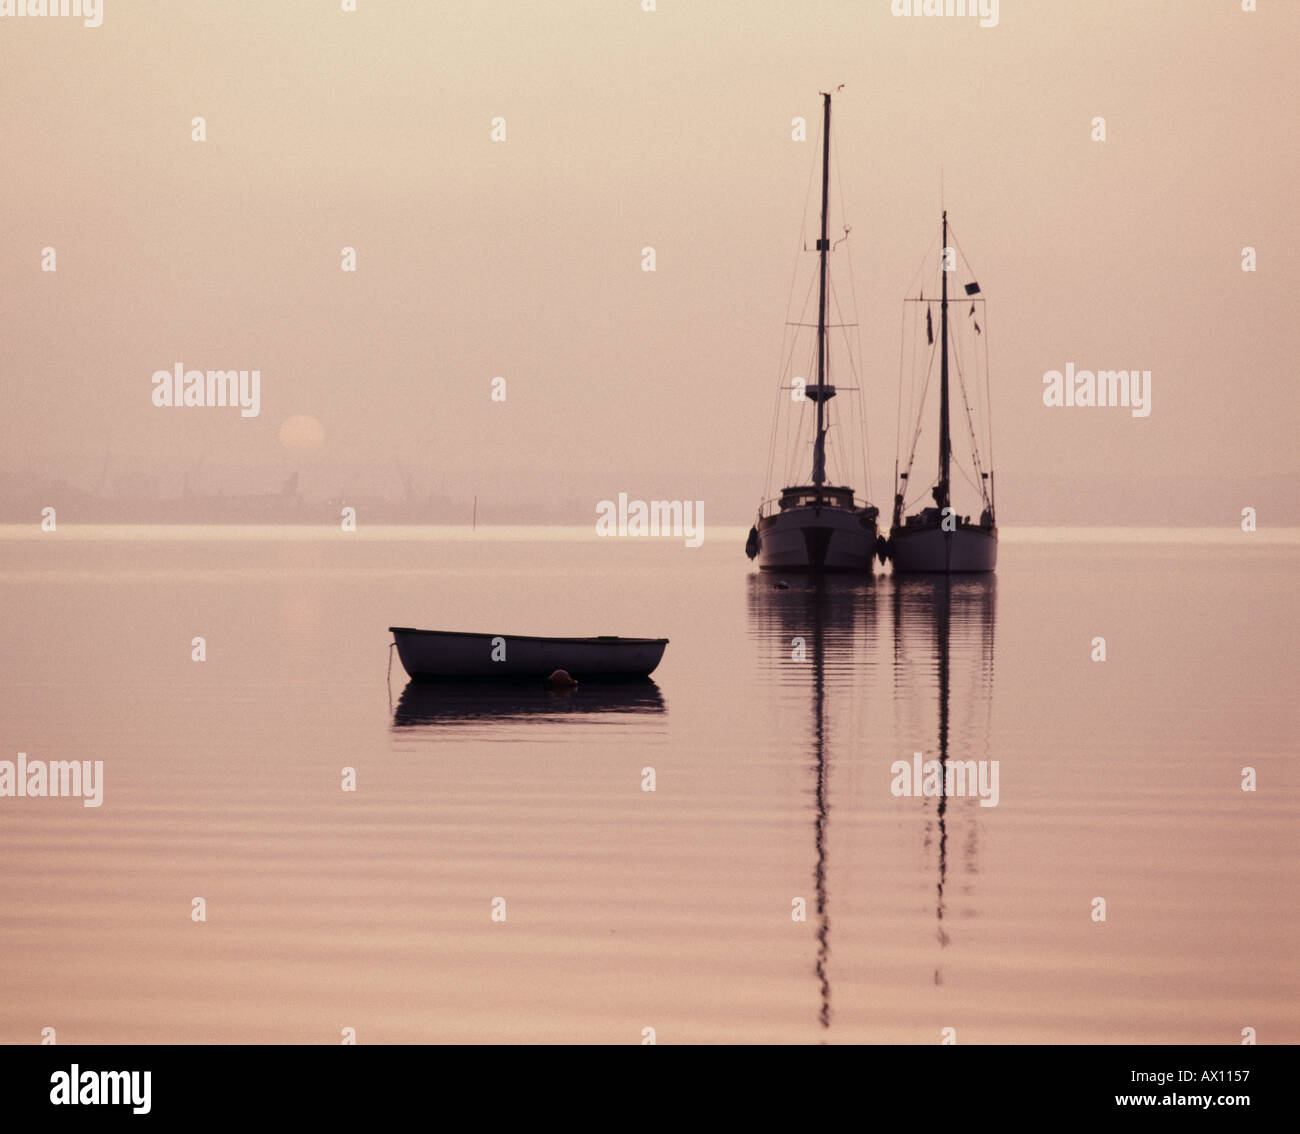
(627, 129)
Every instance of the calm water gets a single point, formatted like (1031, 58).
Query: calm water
(628, 909)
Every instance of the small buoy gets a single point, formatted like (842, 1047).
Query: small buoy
(560, 679)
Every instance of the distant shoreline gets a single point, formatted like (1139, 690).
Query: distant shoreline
(729, 534)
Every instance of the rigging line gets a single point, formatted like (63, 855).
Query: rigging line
(830, 451)
(771, 450)
(956, 244)
(843, 328)
(903, 470)
(805, 414)
(863, 436)
(845, 461)
(776, 428)
(785, 447)
(925, 397)
(797, 429)
(778, 419)
(807, 195)
(920, 267)
(974, 439)
(970, 272)
(916, 436)
(786, 420)
(854, 369)
(898, 417)
(780, 429)
(787, 368)
(782, 359)
(920, 497)
(833, 461)
(911, 390)
(794, 336)
(988, 401)
(853, 303)
(988, 393)
(965, 474)
(908, 505)
(970, 425)
(852, 450)
(952, 238)
(920, 409)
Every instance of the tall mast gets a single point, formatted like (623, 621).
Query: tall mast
(823, 246)
(945, 442)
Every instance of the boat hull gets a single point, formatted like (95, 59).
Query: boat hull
(433, 655)
(931, 550)
(817, 539)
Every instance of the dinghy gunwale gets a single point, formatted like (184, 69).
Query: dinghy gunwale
(603, 639)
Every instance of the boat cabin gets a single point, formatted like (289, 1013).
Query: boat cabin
(810, 496)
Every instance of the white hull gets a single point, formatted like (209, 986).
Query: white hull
(931, 549)
(816, 539)
(440, 654)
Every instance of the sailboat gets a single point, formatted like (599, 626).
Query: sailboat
(817, 526)
(936, 538)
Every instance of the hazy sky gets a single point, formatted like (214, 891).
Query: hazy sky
(626, 129)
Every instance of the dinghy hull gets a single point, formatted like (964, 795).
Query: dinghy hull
(433, 655)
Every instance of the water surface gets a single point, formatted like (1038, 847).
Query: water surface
(771, 727)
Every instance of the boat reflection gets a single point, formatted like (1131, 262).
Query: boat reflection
(946, 622)
(819, 620)
(451, 703)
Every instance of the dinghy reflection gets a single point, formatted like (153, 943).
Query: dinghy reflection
(943, 626)
(465, 702)
(831, 625)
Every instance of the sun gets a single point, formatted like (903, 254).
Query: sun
(301, 431)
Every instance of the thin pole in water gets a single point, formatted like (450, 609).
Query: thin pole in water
(475, 528)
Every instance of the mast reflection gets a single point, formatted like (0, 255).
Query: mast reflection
(932, 615)
(824, 615)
